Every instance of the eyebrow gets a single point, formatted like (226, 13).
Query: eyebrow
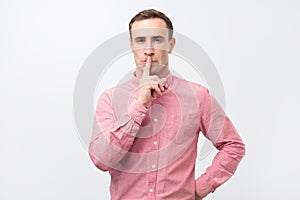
(158, 37)
(140, 37)
(153, 37)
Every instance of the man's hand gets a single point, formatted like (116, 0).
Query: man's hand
(150, 87)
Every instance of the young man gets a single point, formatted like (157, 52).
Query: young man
(146, 130)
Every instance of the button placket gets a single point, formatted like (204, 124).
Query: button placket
(151, 182)
(152, 163)
(155, 143)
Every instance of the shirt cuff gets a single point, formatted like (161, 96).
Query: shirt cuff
(202, 187)
(137, 111)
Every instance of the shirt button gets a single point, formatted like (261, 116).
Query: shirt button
(133, 134)
(151, 190)
(155, 142)
(153, 166)
(155, 120)
(135, 128)
(143, 114)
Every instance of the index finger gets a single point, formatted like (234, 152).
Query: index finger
(146, 71)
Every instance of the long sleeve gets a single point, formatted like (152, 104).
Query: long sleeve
(114, 130)
(218, 128)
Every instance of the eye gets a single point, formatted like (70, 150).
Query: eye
(139, 40)
(158, 40)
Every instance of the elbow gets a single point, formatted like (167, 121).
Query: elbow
(235, 149)
(240, 150)
(97, 162)
(243, 150)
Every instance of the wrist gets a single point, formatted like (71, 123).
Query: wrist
(144, 103)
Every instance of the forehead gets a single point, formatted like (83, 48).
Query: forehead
(154, 26)
(149, 23)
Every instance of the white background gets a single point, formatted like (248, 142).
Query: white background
(254, 45)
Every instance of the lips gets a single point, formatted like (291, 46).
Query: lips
(145, 61)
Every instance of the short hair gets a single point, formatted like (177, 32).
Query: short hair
(150, 14)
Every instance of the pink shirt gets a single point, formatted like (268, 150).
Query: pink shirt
(150, 153)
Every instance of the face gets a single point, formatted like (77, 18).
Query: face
(150, 37)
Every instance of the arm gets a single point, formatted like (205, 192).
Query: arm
(218, 128)
(114, 131)
(113, 135)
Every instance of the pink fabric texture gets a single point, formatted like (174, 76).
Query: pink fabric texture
(151, 152)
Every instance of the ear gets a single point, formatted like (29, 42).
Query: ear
(172, 44)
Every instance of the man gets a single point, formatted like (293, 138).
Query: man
(146, 130)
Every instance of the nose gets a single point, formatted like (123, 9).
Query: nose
(149, 51)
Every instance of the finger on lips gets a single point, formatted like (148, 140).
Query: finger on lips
(155, 84)
(146, 71)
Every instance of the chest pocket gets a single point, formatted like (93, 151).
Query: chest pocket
(180, 129)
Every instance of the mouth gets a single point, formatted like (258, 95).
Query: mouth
(145, 61)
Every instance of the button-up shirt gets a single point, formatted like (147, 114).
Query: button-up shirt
(150, 152)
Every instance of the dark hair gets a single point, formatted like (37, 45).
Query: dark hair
(150, 14)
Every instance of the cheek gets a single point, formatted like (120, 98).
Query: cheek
(163, 56)
(137, 55)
